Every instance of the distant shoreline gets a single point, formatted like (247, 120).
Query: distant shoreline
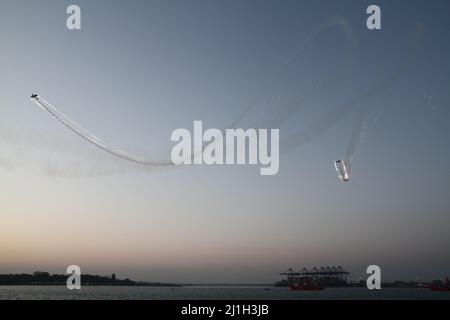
(41, 278)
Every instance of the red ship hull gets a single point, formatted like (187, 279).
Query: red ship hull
(435, 288)
(440, 285)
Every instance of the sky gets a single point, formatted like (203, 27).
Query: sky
(137, 70)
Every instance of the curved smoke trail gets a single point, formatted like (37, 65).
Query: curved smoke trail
(91, 138)
(361, 117)
(283, 114)
(317, 128)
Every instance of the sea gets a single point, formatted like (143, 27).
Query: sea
(212, 293)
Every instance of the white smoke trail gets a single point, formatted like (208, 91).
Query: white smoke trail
(281, 111)
(355, 138)
(91, 138)
(281, 114)
(317, 128)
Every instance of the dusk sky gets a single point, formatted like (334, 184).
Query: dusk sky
(137, 70)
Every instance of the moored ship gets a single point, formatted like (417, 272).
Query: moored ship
(440, 285)
(306, 283)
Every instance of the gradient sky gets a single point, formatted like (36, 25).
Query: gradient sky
(140, 69)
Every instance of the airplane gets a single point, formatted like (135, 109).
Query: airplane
(342, 170)
(35, 96)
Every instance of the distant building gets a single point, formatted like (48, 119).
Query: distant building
(112, 276)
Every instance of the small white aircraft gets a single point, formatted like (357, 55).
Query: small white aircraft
(342, 170)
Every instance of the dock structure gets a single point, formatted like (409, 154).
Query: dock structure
(326, 276)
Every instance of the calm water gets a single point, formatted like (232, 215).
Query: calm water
(202, 293)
